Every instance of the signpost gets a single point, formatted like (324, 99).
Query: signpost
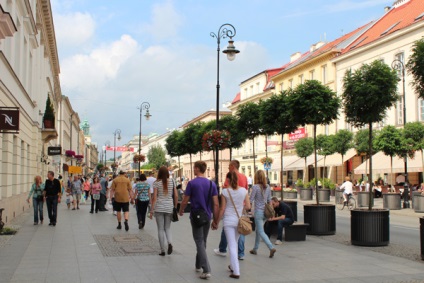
(9, 120)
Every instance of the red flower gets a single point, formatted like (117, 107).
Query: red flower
(215, 140)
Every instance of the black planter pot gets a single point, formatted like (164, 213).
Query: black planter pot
(293, 205)
(306, 194)
(414, 194)
(419, 203)
(363, 199)
(370, 228)
(321, 219)
(422, 237)
(324, 195)
(391, 201)
(291, 195)
(1, 221)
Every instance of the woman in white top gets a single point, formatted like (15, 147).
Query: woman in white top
(348, 188)
(230, 220)
(165, 198)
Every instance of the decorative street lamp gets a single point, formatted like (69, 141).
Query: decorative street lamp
(145, 106)
(224, 31)
(107, 143)
(116, 133)
(400, 67)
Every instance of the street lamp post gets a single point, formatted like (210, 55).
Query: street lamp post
(116, 133)
(107, 143)
(400, 67)
(145, 106)
(224, 31)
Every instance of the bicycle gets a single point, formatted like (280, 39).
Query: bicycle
(351, 203)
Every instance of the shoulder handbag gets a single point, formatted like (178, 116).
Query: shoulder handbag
(244, 226)
(269, 211)
(200, 217)
(174, 210)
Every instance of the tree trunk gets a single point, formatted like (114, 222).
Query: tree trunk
(231, 153)
(370, 153)
(254, 159)
(304, 173)
(391, 172)
(422, 160)
(282, 163)
(323, 170)
(316, 163)
(342, 169)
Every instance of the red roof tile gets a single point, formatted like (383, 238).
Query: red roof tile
(402, 15)
(236, 99)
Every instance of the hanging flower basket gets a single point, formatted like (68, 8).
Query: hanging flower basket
(114, 165)
(79, 156)
(267, 160)
(215, 140)
(139, 158)
(70, 153)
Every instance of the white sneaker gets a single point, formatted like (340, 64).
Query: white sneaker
(199, 269)
(278, 242)
(205, 276)
(217, 252)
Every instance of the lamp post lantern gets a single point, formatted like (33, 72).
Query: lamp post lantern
(145, 106)
(224, 31)
(116, 133)
(399, 66)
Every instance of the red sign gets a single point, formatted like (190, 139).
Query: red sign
(288, 145)
(268, 143)
(298, 134)
(120, 148)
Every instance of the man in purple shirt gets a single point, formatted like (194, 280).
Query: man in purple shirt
(202, 194)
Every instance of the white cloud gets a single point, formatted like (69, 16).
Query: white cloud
(165, 22)
(74, 29)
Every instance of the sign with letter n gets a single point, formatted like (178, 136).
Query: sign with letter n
(9, 120)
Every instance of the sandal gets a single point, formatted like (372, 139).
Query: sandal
(205, 276)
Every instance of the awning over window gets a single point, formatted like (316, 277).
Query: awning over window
(300, 163)
(276, 166)
(336, 159)
(381, 164)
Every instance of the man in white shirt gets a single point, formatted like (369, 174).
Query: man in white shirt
(150, 180)
(348, 188)
(249, 182)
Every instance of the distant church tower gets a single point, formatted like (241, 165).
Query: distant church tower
(85, 127)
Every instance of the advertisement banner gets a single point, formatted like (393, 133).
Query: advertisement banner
(298, 134)
(75, 170)
(119, 148)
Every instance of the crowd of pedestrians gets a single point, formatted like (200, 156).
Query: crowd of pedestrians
(159, 198)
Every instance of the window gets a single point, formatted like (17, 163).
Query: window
(327, 130)
(258, 88)
(281, 87)
(291, 83)
(245, 93)
(251, 90)
(400, 57)
(311, 74)
(399, 111)
(389, 28)
(301, 79)
(421, 110)
(324, 74)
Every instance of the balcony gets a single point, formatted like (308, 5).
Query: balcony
(48, 134)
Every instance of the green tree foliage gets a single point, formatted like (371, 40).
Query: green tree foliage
(368, 92)
(173, 144)
(304, 148)
(156, 156)
(325, 147)
(237, 137)
(361, 141)
(249, 123)
(191, 141)
(342, 142)
(316, 104)
(415, 132)
(415, 67)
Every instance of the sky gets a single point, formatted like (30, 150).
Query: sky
(115, 55)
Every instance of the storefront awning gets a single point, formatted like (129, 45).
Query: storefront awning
(276, 166)
(336, 159)
(381, 164)
(299, 164)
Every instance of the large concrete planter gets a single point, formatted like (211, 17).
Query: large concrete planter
(290, 195)
(370, 228)
(306, 194)
(293, 205)
(419, 203)
(413, 195)
(363, 199)
(391, 201)
(338, 195)
(422, 237)
(321, 219)
(276, 194)
(324, 195)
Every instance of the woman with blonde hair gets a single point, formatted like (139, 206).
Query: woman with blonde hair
(261, 194)
(36, 192)
(232, 198)
(165, 198)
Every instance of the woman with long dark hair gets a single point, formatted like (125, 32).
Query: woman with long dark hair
(261, 194)
(142, 190)
(165, 198)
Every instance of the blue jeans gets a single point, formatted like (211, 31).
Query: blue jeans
(223, 244)
(51, 202)
(281, 224)
(38, 209)
(260, 233)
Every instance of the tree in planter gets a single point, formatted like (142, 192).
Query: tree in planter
(249, 123)
(237, 137)
(325, 147)
(156, 156)
(342, 142)
(191, 142)
(316, 104)
(304, 148)
(415, 132)
(361, 145)
(389, 141)
(368, 93)
(48, 118)
(276, 117)
(173, 146)
(415, 67)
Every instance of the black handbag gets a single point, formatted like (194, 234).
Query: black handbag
(200, 217)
